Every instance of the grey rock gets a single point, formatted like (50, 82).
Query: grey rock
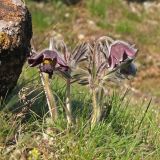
(15, 36)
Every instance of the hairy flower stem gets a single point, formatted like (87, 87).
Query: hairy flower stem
(49, 96)
(96, 113)
(68, 103)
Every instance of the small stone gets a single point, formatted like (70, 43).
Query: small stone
(81, 36)
(67, 15)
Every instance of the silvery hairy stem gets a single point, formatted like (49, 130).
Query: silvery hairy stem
(96, 113)
(68, 103)
(49, 95)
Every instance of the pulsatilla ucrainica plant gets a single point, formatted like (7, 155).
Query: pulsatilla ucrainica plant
(108, 60)
(48, 61)
(104, 60)
(57, 59)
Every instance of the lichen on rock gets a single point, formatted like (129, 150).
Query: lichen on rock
(4, 40)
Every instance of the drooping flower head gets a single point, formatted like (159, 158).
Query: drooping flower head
(48, 61)
(59, 58)
(118, 54)
(121, 55)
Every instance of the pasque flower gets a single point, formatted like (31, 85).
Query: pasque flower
(108, 61)
(121, 55)
(48, 61)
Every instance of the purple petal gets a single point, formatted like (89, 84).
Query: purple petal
(50, 55)
(39, 58)
(35, 60)
(61, 62)
(119, 52)
(112, 62)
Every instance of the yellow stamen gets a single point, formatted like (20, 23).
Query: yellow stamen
(46, 61)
